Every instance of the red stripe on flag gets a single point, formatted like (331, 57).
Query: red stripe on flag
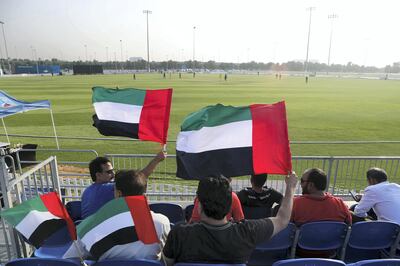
(271, 150)
(142, 218)
(54, 205)
(154, 118)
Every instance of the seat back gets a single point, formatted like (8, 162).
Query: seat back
(256, 212)
(283, 240)
(206, 264)
(130, 262)
(322, 235)
(373, 235)
(378, 262)
(188, 212)
(174, 212)
(42, 262)
(309, 262)
(74, 210)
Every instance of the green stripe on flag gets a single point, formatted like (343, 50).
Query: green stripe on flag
(215, 115)
(126, 96)
(16, 214)
(110, 209)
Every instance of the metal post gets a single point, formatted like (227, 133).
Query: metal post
(85, 52)
(5, 45)
(54, 174)
(308, 40)
(107, 54)
(54, 128)
(147, 12)
(194, 46)
(331, 17)
(122, 60)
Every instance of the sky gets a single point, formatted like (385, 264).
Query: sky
(365, 32)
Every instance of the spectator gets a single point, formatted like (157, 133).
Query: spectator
(259, 195)
(215, 239)
(235, 213)
(317, 205)
(102, 190)
(134, 183)
(380, 195)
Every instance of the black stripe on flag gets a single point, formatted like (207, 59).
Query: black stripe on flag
(115, 128)
(228, 162)
(120, 237)
(45, 230)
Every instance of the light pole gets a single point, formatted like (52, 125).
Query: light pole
(147, 12)
(194, 46)
(122, 60)
(5, 45)
(331, 17)
(34, 56)
(308, 41)
(106, 53)
(85, 52)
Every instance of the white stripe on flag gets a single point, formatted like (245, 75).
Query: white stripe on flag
(107, 227)
(32, 220)
(227, 136)
(119, 112)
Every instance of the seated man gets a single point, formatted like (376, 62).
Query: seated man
(259, 195)
(235, 213)
(380, 195)
(317, 205)
(215, 239)
(134, 183)
(102, 190)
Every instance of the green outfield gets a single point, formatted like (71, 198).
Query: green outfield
(324, 109)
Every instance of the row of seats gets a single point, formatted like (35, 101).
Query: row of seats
(289, 262)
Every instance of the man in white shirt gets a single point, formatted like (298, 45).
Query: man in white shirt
(380, 195)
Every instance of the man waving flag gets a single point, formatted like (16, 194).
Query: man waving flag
(133, 113)
(234, 141)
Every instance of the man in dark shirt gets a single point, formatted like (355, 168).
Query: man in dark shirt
(259, 195)
(214, 239)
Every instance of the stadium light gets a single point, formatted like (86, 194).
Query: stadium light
(147, 12)
(35, 58)
(106, 53)
(85, 52)
(194, 46)
(331, 17)
(308, 40)
(5, 45)
(122, 60)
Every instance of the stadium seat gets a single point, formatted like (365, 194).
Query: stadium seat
(256, 212)
(174, 212)
(276, 248)
(309, 262)
(367, 239)
(42, 262)
(56, 245)
(378, 262)
(132, 262)
(74, 210)
(324, 235)
(188, 212)
(206, 264)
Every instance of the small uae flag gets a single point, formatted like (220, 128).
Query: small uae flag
(133, 113)
(234, 141)
(118, 222)
(39, 218)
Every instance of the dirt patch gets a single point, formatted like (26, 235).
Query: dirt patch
(72, 169)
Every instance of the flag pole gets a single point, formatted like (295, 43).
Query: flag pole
(5, 130)
(54, 128)
(79, 253)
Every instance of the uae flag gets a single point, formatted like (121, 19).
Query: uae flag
(39, 218)
(119, 222)
(133, 113)
(234, 141)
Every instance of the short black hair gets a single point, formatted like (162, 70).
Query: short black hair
(258, 180)
(130, 182)
(215, 196)
(317, 177)
(95, 166)
(378, 174)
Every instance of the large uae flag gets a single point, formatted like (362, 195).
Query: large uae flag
(39, 218)
(118, 222)
(133, 113)
(234, 141)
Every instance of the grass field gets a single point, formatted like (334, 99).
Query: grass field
(325, 109)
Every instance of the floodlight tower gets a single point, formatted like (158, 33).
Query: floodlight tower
(122, 60)
(332, 17)
(106, 53)
(35, 58)
(85, 52)
(194, 46)
(308, 40)
(147, 12)
(5, 45)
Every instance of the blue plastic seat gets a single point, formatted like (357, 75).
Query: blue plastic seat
(56, 245)
(379, 262)
(174, 212)
(206, 264)
(274, 249)
(42, 262)
(256, 212)
(188, 212)
(131, 262)
(309, 262)
(368, 238)
(74, 210)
